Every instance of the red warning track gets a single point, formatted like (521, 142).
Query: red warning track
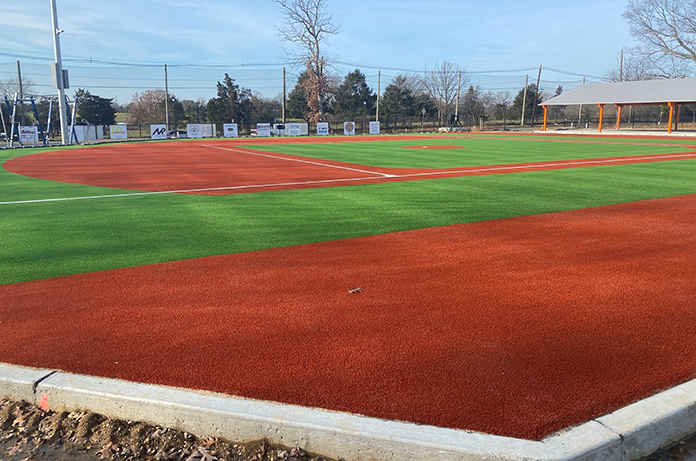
(518, 327)
(218, 167)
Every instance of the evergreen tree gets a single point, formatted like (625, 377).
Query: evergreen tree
(94, 109)
(232, 103)
(398, 100)
(354, 98)
(516, 109)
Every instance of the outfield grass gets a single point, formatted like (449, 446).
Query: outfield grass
(477, 150)
(48, 239)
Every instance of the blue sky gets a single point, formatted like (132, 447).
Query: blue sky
(582, 38)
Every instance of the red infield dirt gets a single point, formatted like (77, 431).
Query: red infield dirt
(220, 167)
(517, 327)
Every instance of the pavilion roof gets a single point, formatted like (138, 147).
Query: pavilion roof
(680, 91)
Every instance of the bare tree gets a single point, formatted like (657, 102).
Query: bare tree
(440, 83)
(308, 24)
(9, 87)
(635, 67)
(666, 30)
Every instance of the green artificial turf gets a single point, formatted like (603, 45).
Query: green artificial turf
(47, 239)
(477, 150)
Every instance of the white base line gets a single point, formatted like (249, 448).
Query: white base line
(545, 165)
(385, 175)
(372, 178)
(184, 191)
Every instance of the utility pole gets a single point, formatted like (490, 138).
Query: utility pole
(536, 94)
(524, 98)
(284, 97)
(21, 93)
(621, 67)
(580, 113)
(166, 98)
(58, 69)
(379, 88)
(456, 106)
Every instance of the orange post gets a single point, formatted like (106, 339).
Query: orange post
(618, 117)
(601, 116)
(546, 117)
(671, 117)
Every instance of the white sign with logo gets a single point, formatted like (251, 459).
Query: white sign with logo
(374, 127)
(118, 132)
(29, 133)
(194, 130)
(293, 129)
(208, 130)
(323, 128)
(230, 130)
(263, 130)
(348, 127)
(304, 129)
(158, 131)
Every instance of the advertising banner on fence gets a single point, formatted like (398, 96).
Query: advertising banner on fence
(323, 128)
(374, 127)
(29, 134)
(229, 130)
(83, 133)
(194, 130)
(158, 131)
(348, 127)
(118, 132)
(293, 129)
(263, 130)
(304, 129)
(208, 130)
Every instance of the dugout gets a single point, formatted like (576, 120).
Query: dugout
(670, 92)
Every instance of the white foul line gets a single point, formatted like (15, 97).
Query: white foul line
(385, 175)
(372, 178)
(545, 165)
(184, 191)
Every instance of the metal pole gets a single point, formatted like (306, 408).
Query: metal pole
(459, 87)
(166, 97)
(4, 124)
(621, 68)
(284, 96)
(580, 113)
(379, 88)
(21, 93)
(536, 95)
(59, 75)
(524, 98)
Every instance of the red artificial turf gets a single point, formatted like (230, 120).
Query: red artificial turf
(516, 327)
(220, 167)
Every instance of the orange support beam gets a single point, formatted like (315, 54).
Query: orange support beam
(601, 116)
(671, 116)
(546, 117)
(618, 117)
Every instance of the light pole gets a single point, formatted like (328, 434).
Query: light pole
(58, 72)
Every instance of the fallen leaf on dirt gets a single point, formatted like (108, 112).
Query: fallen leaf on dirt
(201, 454)
(297, 452)
(107, 452)
(208, 441)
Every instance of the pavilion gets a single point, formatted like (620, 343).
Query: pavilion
(671, 92)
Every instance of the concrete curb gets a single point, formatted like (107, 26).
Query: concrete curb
(630, 433)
